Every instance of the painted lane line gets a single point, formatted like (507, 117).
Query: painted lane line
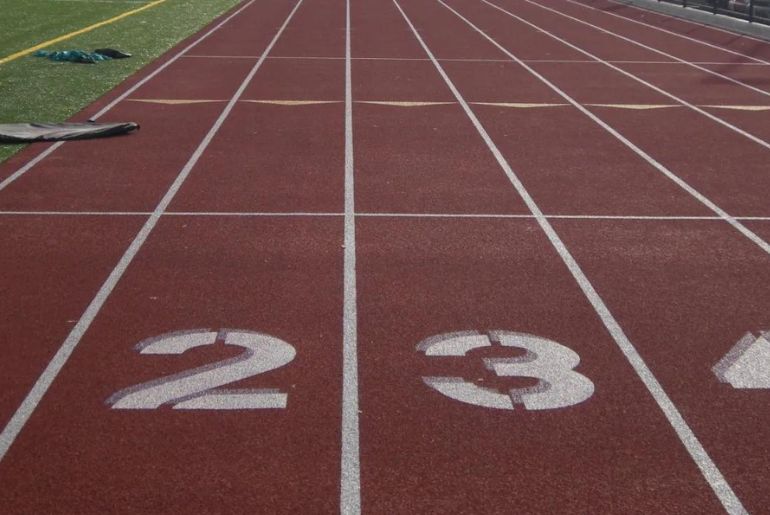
(350, 478)
(75, 213)
(761, 243)
(651, 49)
(462, 60)
(661, 29)
(54, 367)
(640, 80)
(471, 60)
(50, 150)
(530, 216)
(252, 214)
(247, 214)
(709, 470)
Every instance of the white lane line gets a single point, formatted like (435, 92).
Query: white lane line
(683, 36)
(50, 150)
(251, 214)
(710, 471)
(75, 213)
(630, 75)
(641, 153)
(463, 60)
(550, 217)
(321, 214)
(33, 398)
(651, 49)
(350, 478)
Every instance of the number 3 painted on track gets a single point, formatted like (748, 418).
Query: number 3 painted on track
(198, 388)
(551, 363)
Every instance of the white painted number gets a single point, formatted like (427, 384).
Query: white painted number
(198, 388)
(747, 365)
(551, 363)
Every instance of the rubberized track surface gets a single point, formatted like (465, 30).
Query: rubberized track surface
(398, 257)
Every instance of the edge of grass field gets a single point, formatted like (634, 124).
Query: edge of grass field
(34, 89)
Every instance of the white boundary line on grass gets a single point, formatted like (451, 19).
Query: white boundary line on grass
(54, 367)
(710, 471)
(50, 150)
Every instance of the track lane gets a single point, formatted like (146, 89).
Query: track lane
(482, 13)
(594, 42)
(686, 292)
(656, 258)
(59, 360)
(278, 276)
(465, 284)
(62, 182)
(50, 267)
(423, 277)
(43, 306)
(686, 49)
(686, 30)
(712, 76)
(24, 161)
(413, 153)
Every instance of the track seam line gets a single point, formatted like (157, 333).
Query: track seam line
(706, 43)
(640, 80)
(350, 477)
(50, 150)
(651, 49)
(641, 153)
(54, 367)
(707, 467)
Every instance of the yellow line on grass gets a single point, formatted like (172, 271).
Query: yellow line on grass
(40, 46)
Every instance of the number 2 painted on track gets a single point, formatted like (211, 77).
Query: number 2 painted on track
(551, 363)
(198, 388)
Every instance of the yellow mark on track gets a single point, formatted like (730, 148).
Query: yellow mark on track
(293, 102)
(635, 106)
(40, 46)
(516, 105)
(403, 104)
(743, 108)
(172, 101)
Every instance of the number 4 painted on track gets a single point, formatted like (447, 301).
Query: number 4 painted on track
(747, 365)
(551, 363)
(198, 388)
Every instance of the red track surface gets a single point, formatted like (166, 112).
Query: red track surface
(543, 196)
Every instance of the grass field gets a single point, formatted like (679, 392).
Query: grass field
(36, 89)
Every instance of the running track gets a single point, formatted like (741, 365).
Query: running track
(369, 208)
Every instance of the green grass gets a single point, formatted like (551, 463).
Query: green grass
(36, 89)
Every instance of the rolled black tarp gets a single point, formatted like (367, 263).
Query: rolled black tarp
(27, 132)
